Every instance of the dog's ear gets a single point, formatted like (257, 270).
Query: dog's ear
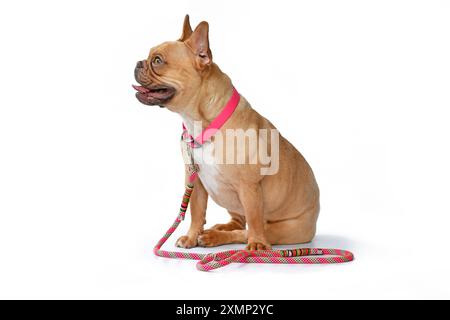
(199, 44)
(187, 30)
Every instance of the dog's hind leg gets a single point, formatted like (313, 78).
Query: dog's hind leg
(301, 229)
(214, 238)
(220, 234)
(237, 222)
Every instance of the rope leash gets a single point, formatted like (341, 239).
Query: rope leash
(212, 261)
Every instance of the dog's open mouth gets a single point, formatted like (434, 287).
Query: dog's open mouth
(154, 95)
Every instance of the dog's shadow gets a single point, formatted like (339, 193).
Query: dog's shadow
(320, 241)
(325, 242)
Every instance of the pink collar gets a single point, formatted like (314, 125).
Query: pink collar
(216, 124)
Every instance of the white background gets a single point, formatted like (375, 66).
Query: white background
(90, 179)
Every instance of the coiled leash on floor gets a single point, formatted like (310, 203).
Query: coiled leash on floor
(212, 261)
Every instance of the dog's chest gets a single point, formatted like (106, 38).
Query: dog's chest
(214, 179)
(209, 172)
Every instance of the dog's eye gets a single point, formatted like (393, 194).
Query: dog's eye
(157, 60)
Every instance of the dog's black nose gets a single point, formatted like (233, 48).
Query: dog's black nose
(140, 64)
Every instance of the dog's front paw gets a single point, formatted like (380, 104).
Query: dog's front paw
(253, 246)
(186, 242)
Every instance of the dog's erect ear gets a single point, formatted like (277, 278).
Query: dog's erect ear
(199, 43)
(187, 30)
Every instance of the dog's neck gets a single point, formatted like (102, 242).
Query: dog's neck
(210, 100)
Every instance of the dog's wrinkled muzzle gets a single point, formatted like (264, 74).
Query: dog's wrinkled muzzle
(149, 92)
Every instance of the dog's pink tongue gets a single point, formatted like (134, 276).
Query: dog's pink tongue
(140, 89)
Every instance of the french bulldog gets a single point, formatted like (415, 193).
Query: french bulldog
(266, 209)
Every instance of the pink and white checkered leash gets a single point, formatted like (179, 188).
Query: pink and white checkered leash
(212, 261)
